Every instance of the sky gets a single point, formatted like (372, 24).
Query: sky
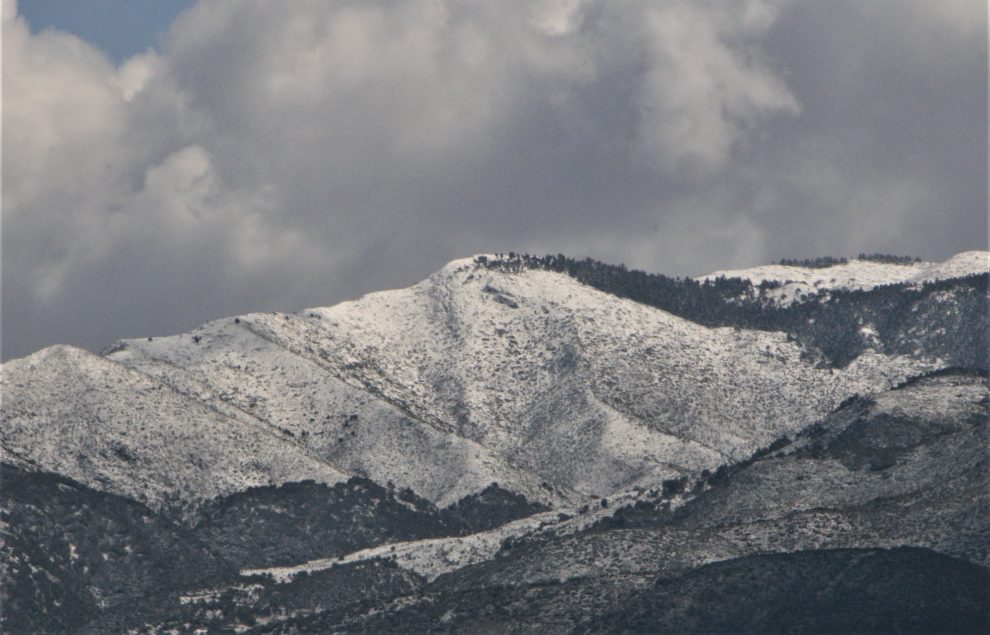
(165, 164)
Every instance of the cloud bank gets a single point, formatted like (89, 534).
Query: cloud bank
(281, 155)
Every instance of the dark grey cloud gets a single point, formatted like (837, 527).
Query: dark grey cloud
(887, 153)
(283, 155)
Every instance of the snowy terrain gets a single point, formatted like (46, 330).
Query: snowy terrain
(591, 392)
(796, 282)
(529, 379)
(77, 414)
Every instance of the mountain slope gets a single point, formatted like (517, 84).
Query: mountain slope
(74, 558)
(519, 376)
(589, 391)
(942, 319)
(528, 379)
(906, 470)
(83, 416)
(70, 553)
(787, 283)
(876, 515)
(831, 591)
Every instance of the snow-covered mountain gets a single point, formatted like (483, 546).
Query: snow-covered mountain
(529, 379)
(87, 417)
(503, 422)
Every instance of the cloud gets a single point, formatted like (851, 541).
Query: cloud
(280, 155)
(62, 123)
(704, 85)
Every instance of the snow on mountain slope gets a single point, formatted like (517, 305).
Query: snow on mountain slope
(855, 274)
(530, 379)
(433, 557)
(232, 368)
(796, 498)
(429, 557)
(933, 494)
(80, 415)
(930, 488)
(590, 391)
